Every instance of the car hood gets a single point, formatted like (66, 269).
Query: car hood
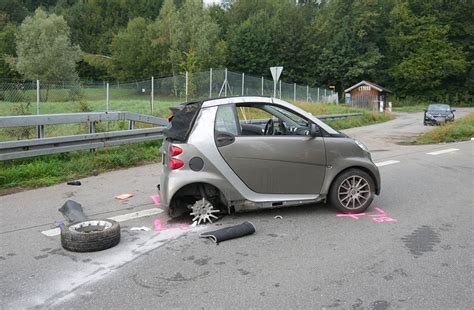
(439, 113)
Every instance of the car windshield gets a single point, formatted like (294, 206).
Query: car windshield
(439, 107)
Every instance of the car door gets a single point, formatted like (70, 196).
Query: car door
(270, 164)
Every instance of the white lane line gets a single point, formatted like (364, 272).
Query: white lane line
(119, 218)
(442, 151)
(386, 163)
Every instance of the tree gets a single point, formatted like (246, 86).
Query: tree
(7, 47)
(44, 50)
(423, 60)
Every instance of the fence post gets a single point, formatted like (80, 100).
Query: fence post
(307, 93)
(225, 82)
(262, 85)
(186, 83)
(280, 89)
(107, 98)
(37, 97)
(152, 94)
(294, 91)
(318, 95)
(210, 83)
(243, 81)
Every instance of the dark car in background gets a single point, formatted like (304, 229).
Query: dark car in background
(437, 114)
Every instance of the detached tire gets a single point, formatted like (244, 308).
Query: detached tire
(352, 191)
(90, 236)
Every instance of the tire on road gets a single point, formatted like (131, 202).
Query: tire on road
(90, 236)
(348, 182)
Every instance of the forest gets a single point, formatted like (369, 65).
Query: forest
(420, 50)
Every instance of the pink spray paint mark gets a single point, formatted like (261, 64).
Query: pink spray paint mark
(353, 215)
(379, 218)
(382, 217)
(156, 199)
(159, 227)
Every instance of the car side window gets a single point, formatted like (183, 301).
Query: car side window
(226, 120)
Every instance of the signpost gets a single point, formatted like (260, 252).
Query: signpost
(276, 72)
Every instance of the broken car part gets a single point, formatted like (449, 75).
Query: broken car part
(72, 212)
(232, 232)
(90, 236)
(76, 183)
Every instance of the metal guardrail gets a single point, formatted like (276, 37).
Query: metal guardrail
(92, 140)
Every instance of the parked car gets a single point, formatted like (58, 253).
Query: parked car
(243, 153)
(438, 113)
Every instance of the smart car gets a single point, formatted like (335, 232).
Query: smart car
(243, 153)
(438, 113)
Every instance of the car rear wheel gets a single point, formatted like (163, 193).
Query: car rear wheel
(352, 191)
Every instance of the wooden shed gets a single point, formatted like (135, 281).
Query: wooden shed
(367, 95)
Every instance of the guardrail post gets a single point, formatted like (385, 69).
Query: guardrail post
(131, 125)
(40, 131)
(91, 127)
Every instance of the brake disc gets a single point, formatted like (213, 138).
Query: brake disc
(202, 211)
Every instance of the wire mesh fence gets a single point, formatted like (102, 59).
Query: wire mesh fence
(151, 96)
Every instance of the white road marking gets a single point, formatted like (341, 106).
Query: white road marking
(386, 163)
(120, 218)
(442, 151)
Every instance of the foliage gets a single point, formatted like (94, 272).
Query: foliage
(44, 49)
(7, 47)
(460, 130)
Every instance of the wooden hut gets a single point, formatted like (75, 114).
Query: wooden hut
(367, 95)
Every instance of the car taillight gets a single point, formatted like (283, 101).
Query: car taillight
(175, 151)
(175, 163)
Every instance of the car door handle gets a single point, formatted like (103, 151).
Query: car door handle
(224, 139)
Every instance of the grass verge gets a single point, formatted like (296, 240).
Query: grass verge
(460, 130)
(20, 174)
(17, 175)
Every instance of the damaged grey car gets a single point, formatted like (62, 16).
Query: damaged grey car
(245, 153)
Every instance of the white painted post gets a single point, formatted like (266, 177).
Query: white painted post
(243, 82)
(225, 82)
(107, 99)
(307, 93)
(262, 85)
(280, 89)
(37, 97)
(152, 93)
(210, 83)
(294, 91)
(186, 86)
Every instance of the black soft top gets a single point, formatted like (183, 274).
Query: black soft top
(182, 121)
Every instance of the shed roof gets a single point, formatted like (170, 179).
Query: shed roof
(364, 82)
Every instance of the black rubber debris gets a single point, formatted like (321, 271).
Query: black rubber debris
(232, 232)
(72, 211)
(75, 183)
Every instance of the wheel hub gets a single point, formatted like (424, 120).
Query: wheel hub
(203, 211)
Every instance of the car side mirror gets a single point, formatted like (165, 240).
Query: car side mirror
(314, 130)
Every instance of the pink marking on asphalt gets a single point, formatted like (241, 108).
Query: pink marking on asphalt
(156, 199)
(159, 227)
(353, 215)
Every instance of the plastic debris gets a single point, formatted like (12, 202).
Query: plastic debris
(72, 212)
(156, 199)
(143, 228)
(75, 183)
(278, 217)
(232, 232)
(123, 196)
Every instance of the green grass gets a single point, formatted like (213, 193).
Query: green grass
(460, 130)
(47, 170)
(410, 108)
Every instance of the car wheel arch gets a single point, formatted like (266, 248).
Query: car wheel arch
(191, 191)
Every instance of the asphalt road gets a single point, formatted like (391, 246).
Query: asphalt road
(418, 255)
